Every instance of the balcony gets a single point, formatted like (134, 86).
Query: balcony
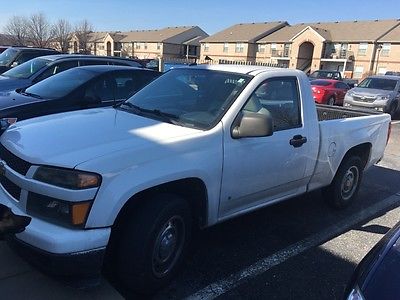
(339, 55)
(280, 54)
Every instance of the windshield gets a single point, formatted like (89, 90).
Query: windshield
(188, 97)
(27, 69)
(8, 56)
(378, 83)
(61, 84)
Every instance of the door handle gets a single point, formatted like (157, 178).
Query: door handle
(298, 141)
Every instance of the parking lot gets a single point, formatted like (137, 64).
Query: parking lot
(297, 249)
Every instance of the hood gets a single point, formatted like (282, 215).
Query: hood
(12, 98)
(10, 84)
(69, 139)
(370, 92)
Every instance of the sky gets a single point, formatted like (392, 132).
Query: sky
(211, 15)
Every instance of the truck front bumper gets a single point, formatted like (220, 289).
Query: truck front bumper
(56, 249)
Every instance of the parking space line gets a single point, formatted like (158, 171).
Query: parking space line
(232, 281)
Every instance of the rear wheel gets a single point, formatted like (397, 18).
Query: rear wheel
(331, 101)
(346, 183)
(153, 243)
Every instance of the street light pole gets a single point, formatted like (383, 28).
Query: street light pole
(377, 58)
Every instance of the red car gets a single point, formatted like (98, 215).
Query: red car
(329, 91)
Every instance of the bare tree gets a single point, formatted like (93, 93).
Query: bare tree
(62, 33)
(40, 30)
(82, 32)
(17, 28)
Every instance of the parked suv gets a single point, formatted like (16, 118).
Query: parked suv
(43, 67)
(14, 56)
(376, 92)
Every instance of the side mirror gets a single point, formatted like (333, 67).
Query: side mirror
(355, 85)
(250, 124)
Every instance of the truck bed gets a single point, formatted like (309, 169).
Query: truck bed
(326, 112)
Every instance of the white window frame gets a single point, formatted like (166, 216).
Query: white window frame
(225, 47)
(159, 46)
(137, 45)
(239, 48)
(261, 48)
(206, 47)
(385, 51)
(358, 72)
(362, 48)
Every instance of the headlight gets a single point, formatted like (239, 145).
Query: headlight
(349, 94)
(58, 211)
(355, 294)
(66, 178)
(383, 97)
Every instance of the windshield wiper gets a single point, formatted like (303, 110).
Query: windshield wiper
(30, 95)
(167, 117)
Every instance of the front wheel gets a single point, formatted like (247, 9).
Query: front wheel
(392, 109)
(153, 243)
(346, 183)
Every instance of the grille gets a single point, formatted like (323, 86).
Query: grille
(17, 164)
(364, 99)
(10, 187)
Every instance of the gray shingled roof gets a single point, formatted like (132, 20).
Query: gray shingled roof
(247, 33)
(353, 31)
(392, 36)
(157, 35)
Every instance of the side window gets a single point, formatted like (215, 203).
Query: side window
(100, 90)
(25, 56)
(57, 68)
(128, 83)
(280, 98)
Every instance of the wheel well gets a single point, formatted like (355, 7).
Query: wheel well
(192, 190)
(363, 151)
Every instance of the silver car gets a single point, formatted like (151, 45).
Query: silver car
(380, 93)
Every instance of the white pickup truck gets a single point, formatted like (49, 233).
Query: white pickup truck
(199, 145)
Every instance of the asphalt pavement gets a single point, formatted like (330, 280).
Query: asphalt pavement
(298, 249)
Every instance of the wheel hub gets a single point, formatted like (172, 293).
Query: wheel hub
(167, 244)
(349, 182)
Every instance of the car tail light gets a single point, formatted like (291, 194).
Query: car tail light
(317, 90)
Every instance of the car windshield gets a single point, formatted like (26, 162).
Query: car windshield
(8, 56)
(27, 69)
(320, 82)
(378, 83)
(188, 97)
(61, 84)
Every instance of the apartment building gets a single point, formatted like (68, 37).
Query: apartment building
(349, 47)
(237, 42)
(388, 52)
(169, 42)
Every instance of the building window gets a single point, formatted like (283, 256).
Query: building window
(225, 49)
(286, 50)
(137, 46)
(239, 48)
(273, 49)
(158, 46)
(358, 72)
(206, 47)
(100, 47)
(362, 48)
(261, 48)
(144, 45)
(385, 49)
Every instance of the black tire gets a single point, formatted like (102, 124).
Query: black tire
(331, 101)
(392, 109)
(153, 243)
(346, 183)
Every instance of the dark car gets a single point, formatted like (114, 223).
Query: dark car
(14, 56)
(329, 91)
(377, 276)
(42, 67)
(74, 89)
